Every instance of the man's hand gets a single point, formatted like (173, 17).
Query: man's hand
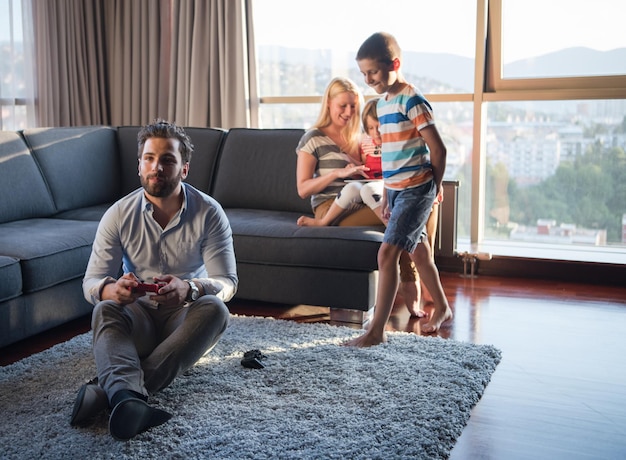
(123, 291)
(173, 294)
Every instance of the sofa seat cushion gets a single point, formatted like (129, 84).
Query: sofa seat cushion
(11, 277)
(274, 238)
(50, 251)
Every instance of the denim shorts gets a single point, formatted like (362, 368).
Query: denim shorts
(410, 209)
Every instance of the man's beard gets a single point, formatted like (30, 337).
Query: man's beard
(160, 189)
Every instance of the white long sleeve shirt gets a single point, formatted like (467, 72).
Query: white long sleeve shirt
(196, 244)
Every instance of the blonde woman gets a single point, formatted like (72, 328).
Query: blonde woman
(328, 154)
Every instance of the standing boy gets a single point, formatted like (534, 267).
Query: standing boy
(413, 163)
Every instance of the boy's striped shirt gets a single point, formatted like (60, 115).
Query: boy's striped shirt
(405, 155)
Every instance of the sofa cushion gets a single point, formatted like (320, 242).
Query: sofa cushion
(206, 147)
(257, 170)
(127, 146)
(206, 143)
(274, 238)
(81, 165)
(11, 277)
(23, 189)
(50, 251)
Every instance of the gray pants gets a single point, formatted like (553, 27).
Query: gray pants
(143, 349)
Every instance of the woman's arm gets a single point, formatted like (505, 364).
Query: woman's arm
(309, 185)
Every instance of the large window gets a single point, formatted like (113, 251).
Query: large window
(532, 107)
(555, 136)
(555, 179)
(529, 95)
(13, 74)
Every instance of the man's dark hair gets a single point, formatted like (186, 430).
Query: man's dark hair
(166, 130)
(381, 47)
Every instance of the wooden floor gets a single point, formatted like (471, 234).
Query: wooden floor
(560, 390)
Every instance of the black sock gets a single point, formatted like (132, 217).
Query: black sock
(123, 395)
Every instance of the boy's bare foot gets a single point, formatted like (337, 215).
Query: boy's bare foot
(306, 221)
(366, 340)
(411, 296)
(437, 318)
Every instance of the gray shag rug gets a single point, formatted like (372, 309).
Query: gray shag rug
(408, 398)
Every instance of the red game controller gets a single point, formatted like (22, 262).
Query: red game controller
(149, 287)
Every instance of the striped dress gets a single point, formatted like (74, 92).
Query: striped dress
(405, 157)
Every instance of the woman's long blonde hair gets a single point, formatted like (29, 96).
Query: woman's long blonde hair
(352, 132)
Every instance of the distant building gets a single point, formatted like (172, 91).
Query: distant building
(573, 143)
(548, 232)
(531, 151)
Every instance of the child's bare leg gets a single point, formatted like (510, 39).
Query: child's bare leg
(430, 276)
(426, 297)
(388, 256)
(431, 231)
(333, 212)
(410, 286)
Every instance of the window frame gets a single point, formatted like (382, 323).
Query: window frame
(548, 88)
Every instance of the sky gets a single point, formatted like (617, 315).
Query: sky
(534, 27)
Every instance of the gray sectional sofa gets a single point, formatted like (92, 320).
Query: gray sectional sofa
(56, 183)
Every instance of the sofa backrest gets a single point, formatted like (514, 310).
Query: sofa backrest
(206, 143)
(80, 165)
(23, 191)
(257, 170)
(206, 150)
(127, 147)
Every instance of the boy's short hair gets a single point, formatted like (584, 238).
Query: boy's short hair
(369, 111)
(166, 130)
(381, 47)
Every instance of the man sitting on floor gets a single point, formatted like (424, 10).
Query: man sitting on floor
(179, 241)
